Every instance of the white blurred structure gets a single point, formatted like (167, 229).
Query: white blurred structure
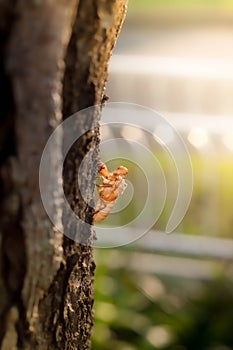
(174, 85)
(176, 254)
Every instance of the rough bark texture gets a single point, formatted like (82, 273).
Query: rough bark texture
(53, 62)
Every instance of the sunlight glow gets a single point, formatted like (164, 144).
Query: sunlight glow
(227, 140)
(159, 336)
(164, 134)
(198, 137)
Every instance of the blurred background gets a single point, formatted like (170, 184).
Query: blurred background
(175, 291)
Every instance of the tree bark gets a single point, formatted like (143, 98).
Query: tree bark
(54, 57)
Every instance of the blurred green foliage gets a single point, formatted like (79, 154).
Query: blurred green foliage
(134, 4)
(136, 311)
(210, 212)
(145, 312)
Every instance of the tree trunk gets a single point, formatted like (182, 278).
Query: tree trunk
(53, 62)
